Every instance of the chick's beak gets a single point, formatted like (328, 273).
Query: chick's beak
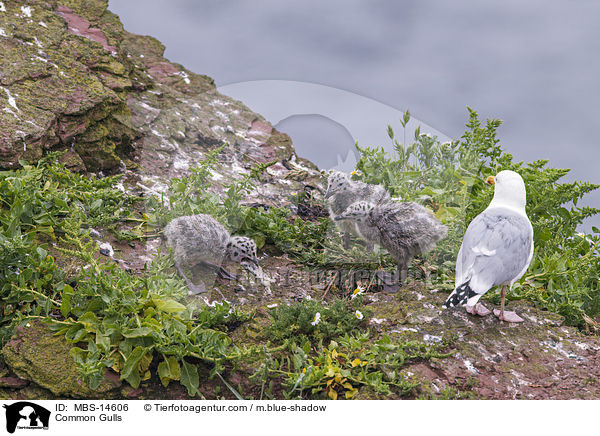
(491, 180)
(328, 194)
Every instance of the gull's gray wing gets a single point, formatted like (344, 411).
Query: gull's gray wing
(496, 249)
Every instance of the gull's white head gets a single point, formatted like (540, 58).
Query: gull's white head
(509, 190)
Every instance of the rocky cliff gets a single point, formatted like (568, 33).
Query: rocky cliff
(73, 79)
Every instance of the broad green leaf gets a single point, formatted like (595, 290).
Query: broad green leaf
(96, 204)
(168, 370)
(133, 379)
(189, 378)
(103, 342)
(65, 306)
(178, 187)
(41, 252)
(132, 362)
(95, 380)
(78, 354)
(168, 305)
(137, 332)
(89, 321)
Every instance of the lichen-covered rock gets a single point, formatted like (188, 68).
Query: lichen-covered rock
(12, 383)
(36, 354)
(72, 79)
(61, 85)
(182, 117)
(539, 359)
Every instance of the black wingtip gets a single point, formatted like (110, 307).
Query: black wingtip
(460, 296)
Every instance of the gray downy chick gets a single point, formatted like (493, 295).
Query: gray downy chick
(343, 192)
(200, 239)
(403, 229)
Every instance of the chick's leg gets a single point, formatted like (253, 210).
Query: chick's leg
(192, 288)
(221, 272)
(403, 268)
(347, 240)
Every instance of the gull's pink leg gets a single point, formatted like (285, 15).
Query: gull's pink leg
(506, 315)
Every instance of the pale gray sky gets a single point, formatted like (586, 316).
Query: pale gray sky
(533, 64)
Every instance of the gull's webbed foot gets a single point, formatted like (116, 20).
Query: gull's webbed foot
(508, 316)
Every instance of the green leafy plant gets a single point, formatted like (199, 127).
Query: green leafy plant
(355, 361)
(34, 203)
(126, 322)
(114, 319)
(313, 321)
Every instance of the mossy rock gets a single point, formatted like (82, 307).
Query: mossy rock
(72, 161)
(90, 9)
(281, 144)
(36, 354)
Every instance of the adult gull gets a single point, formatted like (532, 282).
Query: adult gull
(496, 249)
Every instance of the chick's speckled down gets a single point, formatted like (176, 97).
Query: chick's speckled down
(343, 192)
(403, 229)
(197, 238)
(407, 228)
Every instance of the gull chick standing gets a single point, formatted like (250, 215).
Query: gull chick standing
(496, 249)
(342, 193)
(201, 239)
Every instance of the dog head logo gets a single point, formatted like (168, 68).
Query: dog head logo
(26, 415)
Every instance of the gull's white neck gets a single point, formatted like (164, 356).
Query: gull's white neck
(515, 201)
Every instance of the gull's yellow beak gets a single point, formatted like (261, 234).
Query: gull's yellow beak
(491, 180)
